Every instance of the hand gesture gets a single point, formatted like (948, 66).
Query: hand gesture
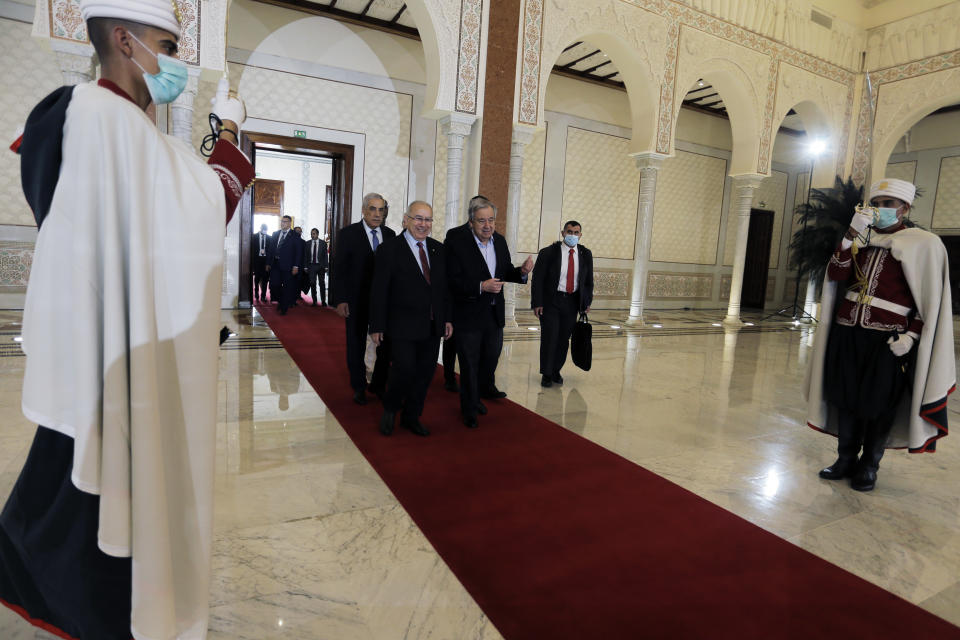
(538, 311)
(377, 337)
(493, 285)
(296, 270)
(527, 266)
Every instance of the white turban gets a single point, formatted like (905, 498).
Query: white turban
(893, 188)
(162, 14)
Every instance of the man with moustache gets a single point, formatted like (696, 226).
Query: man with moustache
(350, 291)
(409, 305)
(479, 264)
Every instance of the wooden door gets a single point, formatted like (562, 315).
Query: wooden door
(755, 271)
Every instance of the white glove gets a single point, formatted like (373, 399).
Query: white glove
(227, 107)
(861, 220)
(901, 345)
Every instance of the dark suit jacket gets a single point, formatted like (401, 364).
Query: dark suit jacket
(401, 300)
(463, 229)
(546, 275)
(466, 269)
(255, 259)
(321, 253)
(288, 255)
(353, 267)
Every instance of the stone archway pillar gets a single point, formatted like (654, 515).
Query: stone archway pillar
(456, 127)
(743, 189)
(522, 136)
(181, 109)
(649, 165)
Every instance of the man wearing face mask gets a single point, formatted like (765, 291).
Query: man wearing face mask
(562, 288)
(107, 532)
(883, 363)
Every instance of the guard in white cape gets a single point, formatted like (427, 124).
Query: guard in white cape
(882, 363)
(107, 532)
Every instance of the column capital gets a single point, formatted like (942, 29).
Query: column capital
(648, 160)
(523, 134)
(75, 59)
(457, 124)
(747, 180)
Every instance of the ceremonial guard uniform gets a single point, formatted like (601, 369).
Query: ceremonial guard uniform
(885, 291)
(108, 530)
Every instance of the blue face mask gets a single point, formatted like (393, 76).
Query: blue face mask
(886, 217)
(571, 240)
(169, 82)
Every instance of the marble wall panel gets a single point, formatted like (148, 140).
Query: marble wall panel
(687, 209)
(600, 190)
(612, 283)
(21, 53)
(946, 206)
(16, 258)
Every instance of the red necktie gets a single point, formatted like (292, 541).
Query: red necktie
(423, 262)
(570, 270)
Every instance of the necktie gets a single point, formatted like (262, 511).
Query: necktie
(423, 262)
(314, 251)
(283, 235)
(570, 270)
(376, 240)
(261, 244)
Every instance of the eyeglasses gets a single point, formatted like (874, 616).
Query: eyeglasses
(421, 219)
(380, 209)
(484, 220)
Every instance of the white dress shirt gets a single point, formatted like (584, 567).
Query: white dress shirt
(412, 243)
(564, 259)
(378, 231)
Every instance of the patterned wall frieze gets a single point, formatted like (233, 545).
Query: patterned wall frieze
(923, 35)
(767, 129)
(612, 284)
(667, 285)
(66, 21)
(468, 59)
(16, 258)
(530, 61)
(668, 88)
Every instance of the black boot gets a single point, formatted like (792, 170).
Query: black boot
(874, 445)
(849, 436)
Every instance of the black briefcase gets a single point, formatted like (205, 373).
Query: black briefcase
(581, 343)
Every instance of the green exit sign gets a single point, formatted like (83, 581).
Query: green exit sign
(297, 133)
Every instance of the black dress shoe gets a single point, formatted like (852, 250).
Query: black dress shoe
(417, 428)
(864, 480)
(481, 408)
(386, 422)
(360, 397)
(470, 421)
(377, 391)
(451, 386)
(557, 378)
(545, 381)
(842, 468)
(493, 394)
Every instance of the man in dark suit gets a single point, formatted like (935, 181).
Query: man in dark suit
(478, 265)
(283, 262)
(350, 281)
(315, 264)
(409, 305)
(562, 287)
(259, 246)
(450, 344)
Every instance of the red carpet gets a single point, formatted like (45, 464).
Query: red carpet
(556, 537)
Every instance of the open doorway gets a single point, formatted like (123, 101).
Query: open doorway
(309, 180)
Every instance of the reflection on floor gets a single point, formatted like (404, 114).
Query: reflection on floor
(310, 544)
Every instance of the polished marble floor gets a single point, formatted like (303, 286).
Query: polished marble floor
(311, 545)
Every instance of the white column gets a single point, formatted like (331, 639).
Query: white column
(649, 165)
(75, 60)
(743, 189)
(456, 127)
(522, 136)
(181, 109)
